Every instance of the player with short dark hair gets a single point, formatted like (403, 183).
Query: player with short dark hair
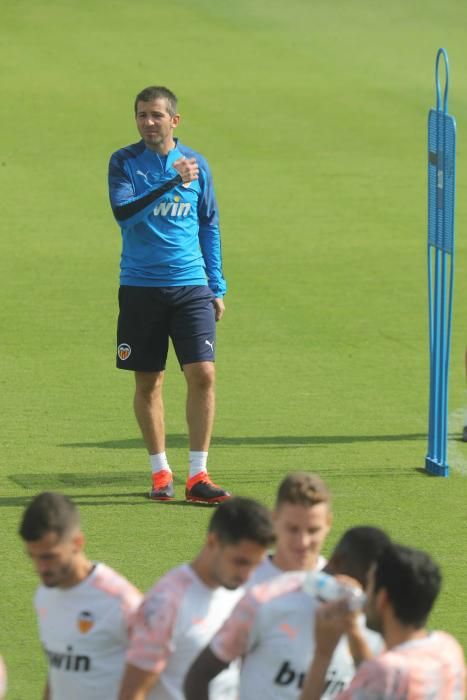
(418, 664)
(187, 606)
(84, 609)
(171, 284)
(270, 630)
(412, 582)
(242, 519)
(49, 512)
(157, 92)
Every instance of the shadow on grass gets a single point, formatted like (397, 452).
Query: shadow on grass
(422, 470)
(60, 480)
(119, 483)
(181, 440)
(108, 499)
(122, 485)
(137, 498)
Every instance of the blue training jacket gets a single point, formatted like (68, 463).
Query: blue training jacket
(174, 240)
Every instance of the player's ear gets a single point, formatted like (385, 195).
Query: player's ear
(212, 540)
(382, 600)
(78, 540)
(175, 121)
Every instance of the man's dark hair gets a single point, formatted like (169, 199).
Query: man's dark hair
(357, 550)
(412, 581)
(302, 488)
(157, 92)
(48, 512)
(242, 519)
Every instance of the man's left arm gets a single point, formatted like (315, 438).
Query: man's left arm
(206, 667)
(232, 641)
(210, 238)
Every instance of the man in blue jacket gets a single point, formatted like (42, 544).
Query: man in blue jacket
(171, 284)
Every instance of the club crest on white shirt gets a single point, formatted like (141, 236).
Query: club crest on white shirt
(85, 621)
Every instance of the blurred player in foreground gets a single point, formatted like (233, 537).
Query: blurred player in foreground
(84, 609)
(302, 520)
(185, 608)
(418, 664)
(3, 679)
(270, 629)
(464, 433)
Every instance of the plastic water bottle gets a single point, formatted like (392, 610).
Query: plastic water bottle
(325, 588)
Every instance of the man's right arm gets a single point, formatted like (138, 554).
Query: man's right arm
(206, 667)
(151, 641)
(329, 625)
(357, 641)
(46, 695)
(126, 204)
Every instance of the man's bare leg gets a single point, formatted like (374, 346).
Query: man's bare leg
(149, 412)
(200, 409)
(200, 403)
(149, 409)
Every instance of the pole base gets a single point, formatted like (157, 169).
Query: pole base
(435, 468)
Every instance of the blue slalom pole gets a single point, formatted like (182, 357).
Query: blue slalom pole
(440, 256)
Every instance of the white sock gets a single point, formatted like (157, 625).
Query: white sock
(159, 463)
(198, 461)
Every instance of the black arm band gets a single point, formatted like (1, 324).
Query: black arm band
(126, 210)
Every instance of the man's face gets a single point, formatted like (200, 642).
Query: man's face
(55, 559)
(232, 564)
(155, 124)
(300, 534)
(373, 618)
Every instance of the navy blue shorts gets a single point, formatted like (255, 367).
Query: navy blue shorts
(149, 316)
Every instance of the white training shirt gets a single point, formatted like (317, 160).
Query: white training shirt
(267, 569)
(272, 629)
(419, 669)
(84, 631)
(176, 621)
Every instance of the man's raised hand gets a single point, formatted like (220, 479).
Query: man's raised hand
(187, 168)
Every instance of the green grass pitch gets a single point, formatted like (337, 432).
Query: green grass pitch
(313, 117)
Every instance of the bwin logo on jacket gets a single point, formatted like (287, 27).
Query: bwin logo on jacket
(172, 208)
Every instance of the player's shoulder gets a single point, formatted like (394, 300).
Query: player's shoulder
(133, 150)
(277, 587)
(434, 644)
(174, 584)
(112, 584)
(446, 641)
(168, 596)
